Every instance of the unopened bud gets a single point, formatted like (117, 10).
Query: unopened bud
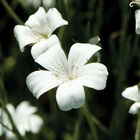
(137, 2)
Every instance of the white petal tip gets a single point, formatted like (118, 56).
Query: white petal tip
(134, 108)
(131, 93)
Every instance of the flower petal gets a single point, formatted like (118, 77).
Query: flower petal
(93, 75)
(80, 53)
(54, 60)
(26, 108)
(40, 82)
(131, 93)
(25, 36)
(37, 22)
(35, 123)
(40, 47)
(11, 109)
(25, 117)
(70, 95)
(137, 18)
(134, 108)
(54, 19)
(45, 23)
(94, 40)
(23, 112)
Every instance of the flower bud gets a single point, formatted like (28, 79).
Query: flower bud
(137, 2)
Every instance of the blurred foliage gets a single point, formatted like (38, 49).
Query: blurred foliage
(114, 23)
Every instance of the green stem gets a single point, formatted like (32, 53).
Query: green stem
(11, 12)
(3, 94)
(76, 135)
(137, 134)
(102, 127)
(88, 116)
(5, 126)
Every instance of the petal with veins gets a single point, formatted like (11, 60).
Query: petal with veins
(42, 46)
(40, 82)
(70, 95)
(25, 36)
(54, 60)
(54, 19)
(38, 21)
(134, 108)
(93, 75)
(45, 23)
(80, 53)
(132, 93)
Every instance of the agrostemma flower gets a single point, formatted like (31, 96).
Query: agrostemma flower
(69, 75)
(24, 118)
(38, 31)
(133, 93)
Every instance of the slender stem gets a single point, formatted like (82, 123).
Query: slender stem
(77, 134)
(88, 116)
(137, 134)
(11, 12)
(97, 122)
(5, 126)
(3, 94)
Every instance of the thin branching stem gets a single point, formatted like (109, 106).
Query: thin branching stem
(5, 126)
(11, 12)
(88, 117)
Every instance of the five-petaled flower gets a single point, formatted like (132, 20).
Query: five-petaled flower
(133, 93)
(70, 75)
(23, 117)
(38, 30)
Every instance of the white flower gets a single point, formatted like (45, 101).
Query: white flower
(23, 117)
(137, 17)
(133, 93)
(70, 75)
(38, 30)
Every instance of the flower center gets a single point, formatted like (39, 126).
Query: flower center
(44, 35)
(64, 78)
(71, 77)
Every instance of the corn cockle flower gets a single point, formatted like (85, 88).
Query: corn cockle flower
(70, 75)
(38, 30)
(133, 93)
(23, 117)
